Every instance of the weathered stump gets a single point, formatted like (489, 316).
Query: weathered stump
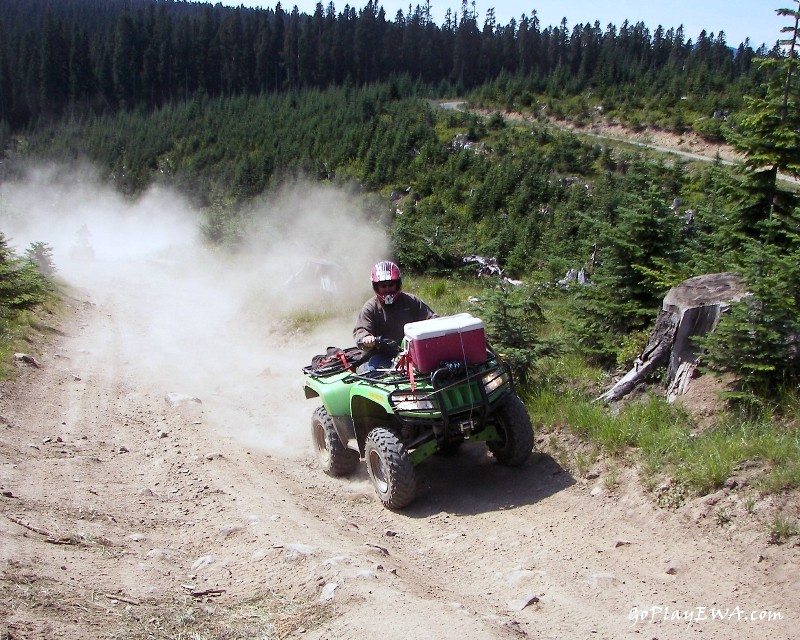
(692, 308)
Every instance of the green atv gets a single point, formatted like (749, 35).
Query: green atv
(396, 418)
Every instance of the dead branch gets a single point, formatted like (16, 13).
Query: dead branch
(51, 538)
(62, 540)
(382, 550)
(207, 592)
(41, 532)
(112, 596)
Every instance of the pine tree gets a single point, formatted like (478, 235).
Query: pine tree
(769, 137)
(514, 316)
(21, 284)
(759, 340)
(40, 255)
(641, 236)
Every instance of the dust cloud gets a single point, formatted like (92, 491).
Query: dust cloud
(185, 320)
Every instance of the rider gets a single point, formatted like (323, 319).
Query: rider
(386, 315)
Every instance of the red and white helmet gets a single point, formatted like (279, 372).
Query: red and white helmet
(386, 272)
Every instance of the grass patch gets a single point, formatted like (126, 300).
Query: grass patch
(7, 346)
(18, 331)
(766, 442)
(782, 528)
(660, 437)
(704, 465)
(781, 478)
(651, 426)
(446, 296)
(569, 373)
(583, 462)
(611, 477)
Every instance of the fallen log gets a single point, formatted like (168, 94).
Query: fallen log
(206, 592)
(690, 309)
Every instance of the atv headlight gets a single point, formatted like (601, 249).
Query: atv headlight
(412, 402)
(493, 380)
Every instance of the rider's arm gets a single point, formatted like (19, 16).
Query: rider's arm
(363, 332)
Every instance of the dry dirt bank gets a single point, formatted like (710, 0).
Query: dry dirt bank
(688, 145)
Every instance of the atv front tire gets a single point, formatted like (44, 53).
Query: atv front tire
(333, 456)
(516, 433)
(390, 468)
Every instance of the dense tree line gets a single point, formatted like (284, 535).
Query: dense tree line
(460, 184)
(84, 57)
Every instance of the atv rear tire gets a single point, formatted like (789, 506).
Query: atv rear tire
(334, 457)
(390, 468)
(516, 433)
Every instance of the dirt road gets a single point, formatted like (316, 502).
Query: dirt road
(157, 481)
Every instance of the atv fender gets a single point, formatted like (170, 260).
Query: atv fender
(334, 395)
(335, 398)
(365, 393)
(368, 412)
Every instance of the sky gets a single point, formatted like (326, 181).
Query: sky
(739, 19)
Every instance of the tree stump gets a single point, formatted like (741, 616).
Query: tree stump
(692, 308)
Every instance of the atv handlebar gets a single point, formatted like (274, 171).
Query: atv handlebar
(380, 341)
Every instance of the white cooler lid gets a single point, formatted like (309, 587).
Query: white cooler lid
(446, 325)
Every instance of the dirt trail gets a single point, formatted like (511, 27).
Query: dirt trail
(689, 145)
(131, 513)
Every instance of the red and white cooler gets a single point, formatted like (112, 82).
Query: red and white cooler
(459, 337)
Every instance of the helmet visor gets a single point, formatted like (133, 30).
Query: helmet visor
(387, 286)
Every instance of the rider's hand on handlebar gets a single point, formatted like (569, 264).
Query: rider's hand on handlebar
(368, 341)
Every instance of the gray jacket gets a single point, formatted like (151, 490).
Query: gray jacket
(387, 320)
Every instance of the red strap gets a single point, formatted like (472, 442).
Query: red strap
(406, 365)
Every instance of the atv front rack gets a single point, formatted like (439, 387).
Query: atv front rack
(334, 361)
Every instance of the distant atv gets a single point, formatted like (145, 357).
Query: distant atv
(446, 386)
(82, 248)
